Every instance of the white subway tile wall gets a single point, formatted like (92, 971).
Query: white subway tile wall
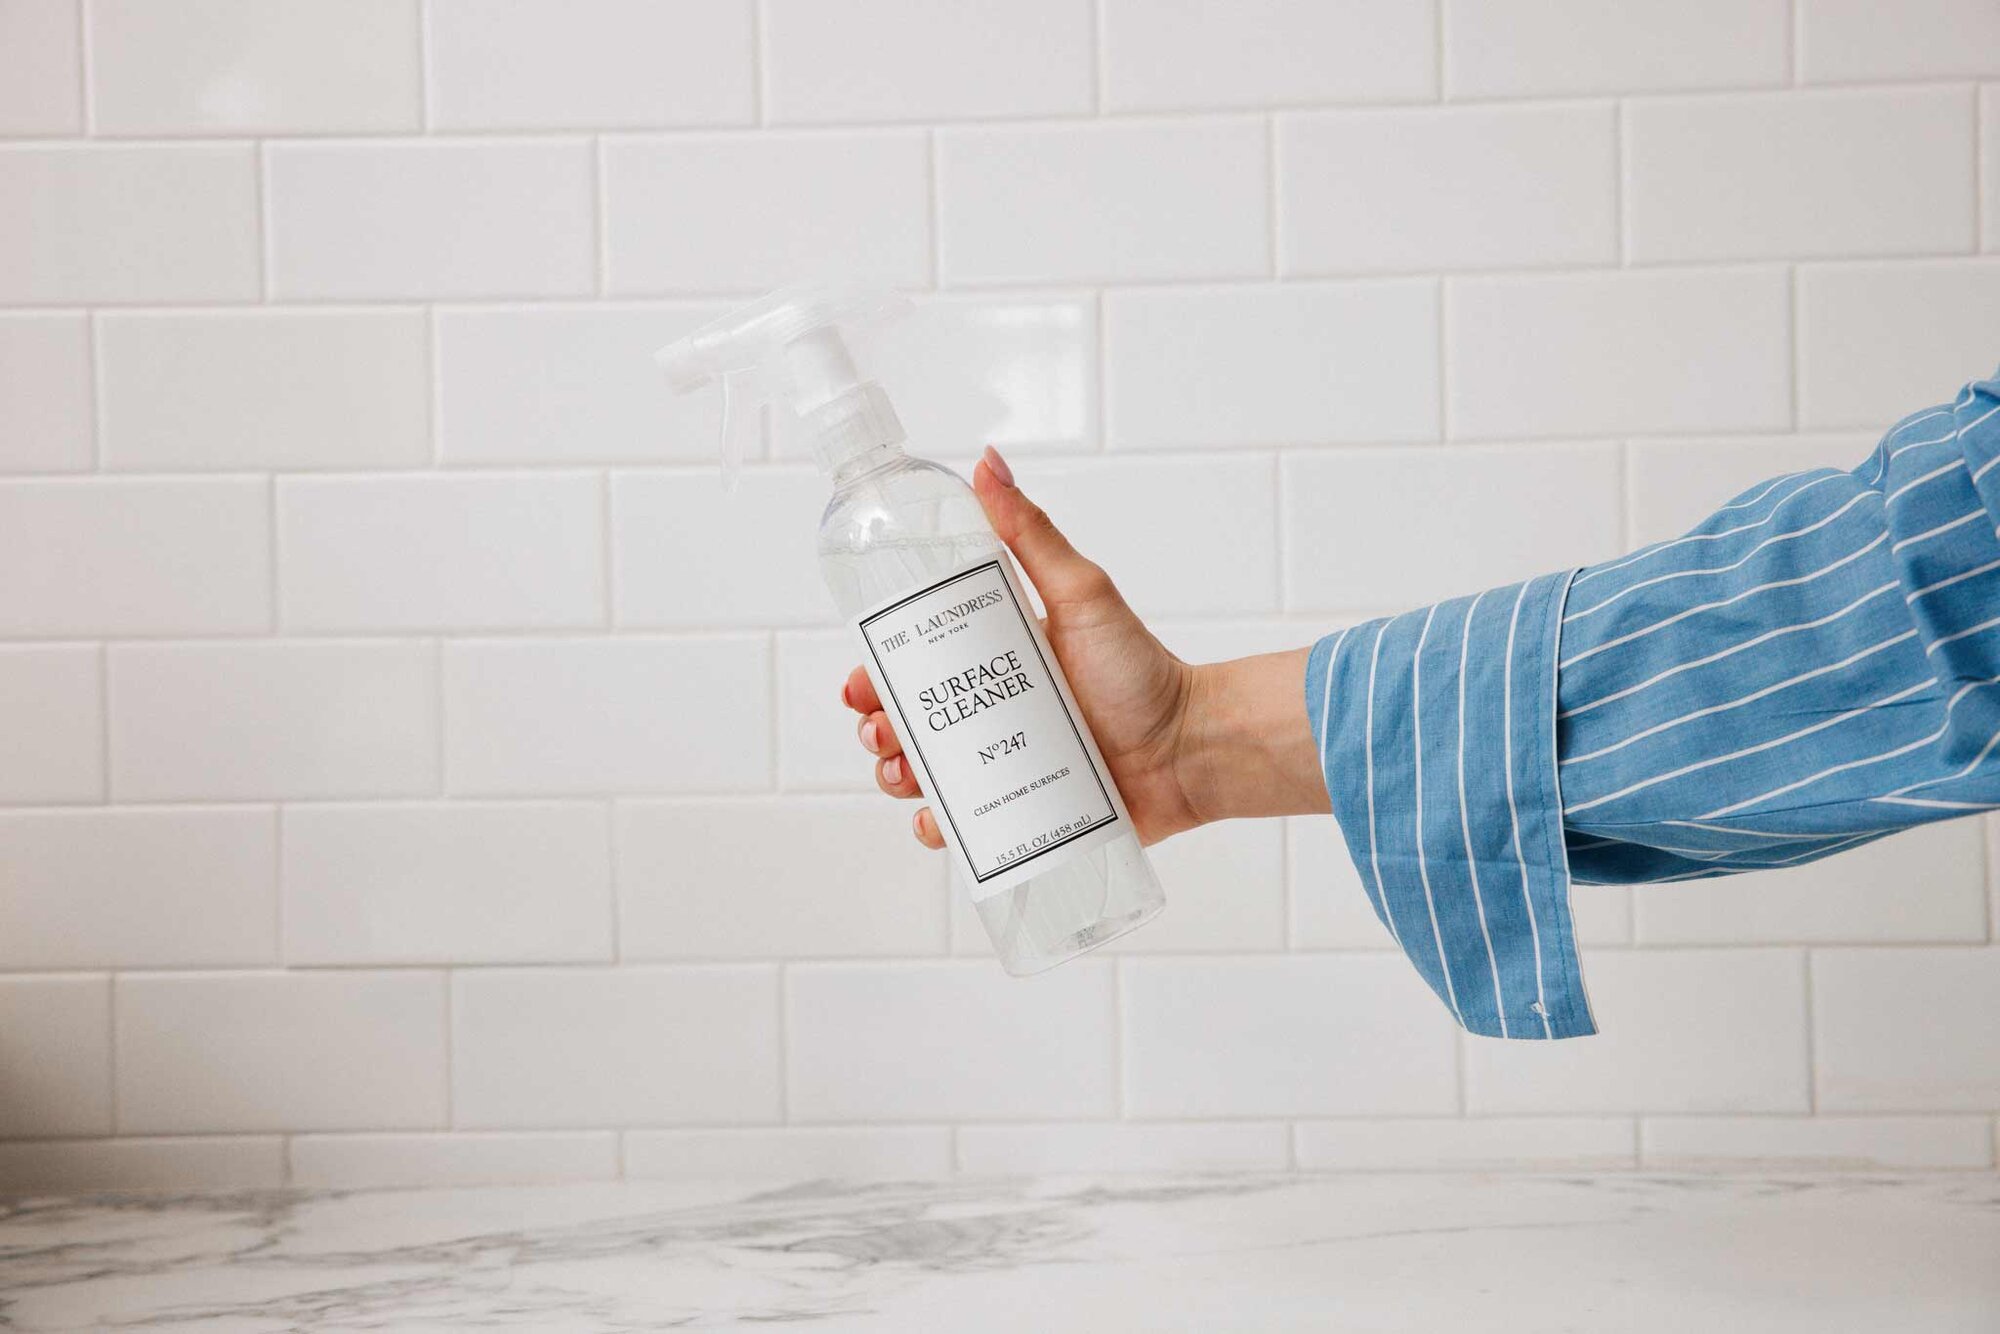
(415, 767)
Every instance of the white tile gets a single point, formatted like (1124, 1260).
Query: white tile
(601, 716)
(55, 1045)
(1877, 171)
(1682, 1031)
(1259, 1037)
(606, 1047)
(570, 385)
(930, 1041)
(493, 219)
(1455, 519)
(1927, 884)
(183, 888)
(519, 882)
(438, 552)
(264, 389)
(371, 1162)
(1848, 41)
(1451, 188)
(1638, 353)
(793, 1154)
(911, 60)
(1878, 342)
(207, 1163)
(1601, 914)
(690, 552)
(555, 64)
(45, 392)
(247, 67)
(1497, 1144)
(1110, 185)
(741, 213)
(1675, 484)
(1816, 1143)
(1291, 365)
(826, 876)
(203, 1052)
(1899, 1030)
(1330, 907)
(1558, 48)
(1989, 166)
(818, 748)
(1017, 371)
(51, 712)
(103, 557)
(41, 70)
(1029, 1150)
(257, 721)
(1263, 52)
(1224, 557)
(102, 223)
(1225, 888)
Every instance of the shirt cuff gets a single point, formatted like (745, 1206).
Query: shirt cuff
(1437, 740)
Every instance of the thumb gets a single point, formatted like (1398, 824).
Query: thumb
(1060, 574)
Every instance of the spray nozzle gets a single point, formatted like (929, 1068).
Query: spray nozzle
(786, 349)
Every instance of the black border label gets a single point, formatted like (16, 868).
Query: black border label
(936, 793)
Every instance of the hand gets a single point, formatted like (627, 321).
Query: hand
(1173, 736)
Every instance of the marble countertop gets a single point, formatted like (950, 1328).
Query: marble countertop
(1112, 1254)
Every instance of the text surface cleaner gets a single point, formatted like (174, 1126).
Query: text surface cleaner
(1035, 828)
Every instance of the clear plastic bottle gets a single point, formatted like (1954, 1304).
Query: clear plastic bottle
(896, 528)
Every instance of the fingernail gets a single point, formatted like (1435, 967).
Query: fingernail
(868, 735)
(892, 770)
(1001, 472)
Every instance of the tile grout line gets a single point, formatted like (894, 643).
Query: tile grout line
(1795, 27)
(1621, 157)
(600, 209)
(933, 209)
(1272, 239)
(93, 335)
(86, 72)
(111, 1053)
(1812, 1034)
(759, 80)
(426, 77)
(1097, 57)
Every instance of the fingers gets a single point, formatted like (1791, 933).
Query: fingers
(1058, 572)
(924, 825)
(857, 692)
(892, 772)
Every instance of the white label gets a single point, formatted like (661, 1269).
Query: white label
(989, 726)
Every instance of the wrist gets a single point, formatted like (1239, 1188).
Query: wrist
(1249, 750)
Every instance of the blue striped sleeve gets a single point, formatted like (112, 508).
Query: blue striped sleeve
(1436, 733)
(1815, 666)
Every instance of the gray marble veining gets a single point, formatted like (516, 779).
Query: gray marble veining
(1235, 1252)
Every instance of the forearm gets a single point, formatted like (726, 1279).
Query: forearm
(1247, 748)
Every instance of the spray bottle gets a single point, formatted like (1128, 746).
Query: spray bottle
(1036, 830)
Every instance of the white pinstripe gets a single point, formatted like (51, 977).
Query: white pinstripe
(1730, 601)
(1737, 564)
(1760, 747)
(1465, 819)
(1368, 758)
(1731, 651)
(1423, 863)
(1741, 700)
(1513, 811)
